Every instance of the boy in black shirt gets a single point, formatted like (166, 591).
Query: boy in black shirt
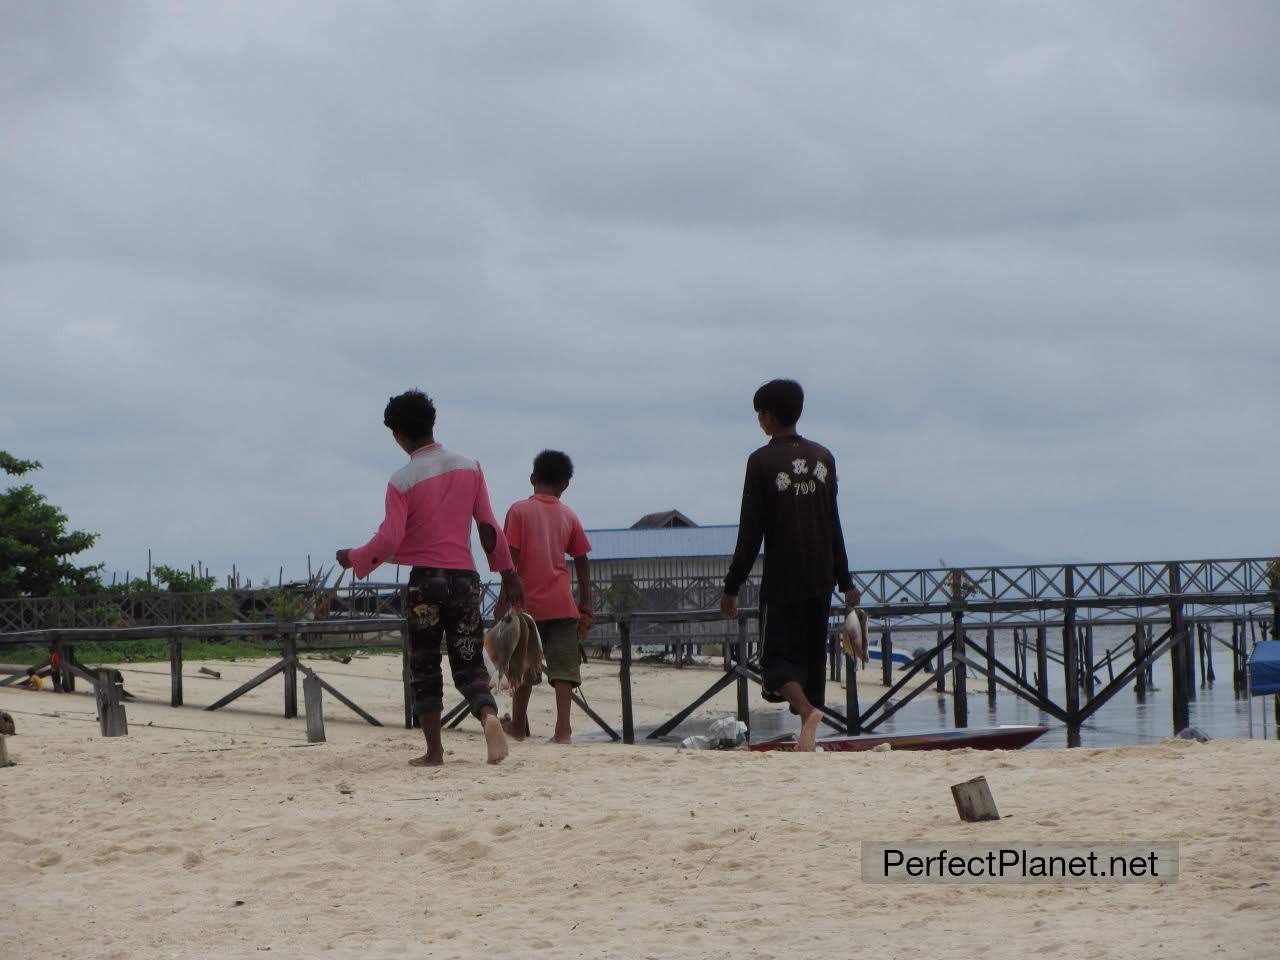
(789, 502)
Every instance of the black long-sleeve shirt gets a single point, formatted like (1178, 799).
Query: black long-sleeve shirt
(789, 502)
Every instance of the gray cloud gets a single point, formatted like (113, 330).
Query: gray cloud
(1023, 258)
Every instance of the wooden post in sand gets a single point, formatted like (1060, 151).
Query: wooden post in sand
(312, 695)
(111, 718)
(886, 658)
(624, 678)
(4, 754)
(290, 652)
(973, 800)
(175, 671)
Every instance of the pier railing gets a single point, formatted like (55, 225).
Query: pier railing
(958, 605)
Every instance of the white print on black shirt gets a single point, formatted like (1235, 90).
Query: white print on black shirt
(799, 488)
(820, 471)
(799, 467)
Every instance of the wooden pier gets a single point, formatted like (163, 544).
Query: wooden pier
(960, 609)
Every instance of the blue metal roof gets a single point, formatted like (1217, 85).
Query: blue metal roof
(628, 544)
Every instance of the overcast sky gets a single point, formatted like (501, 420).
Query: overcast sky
(1023, 256)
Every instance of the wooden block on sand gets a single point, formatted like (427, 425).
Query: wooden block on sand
(974, 801)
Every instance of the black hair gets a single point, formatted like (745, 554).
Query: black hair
(412, 414)
(782, 398)
(553, 468)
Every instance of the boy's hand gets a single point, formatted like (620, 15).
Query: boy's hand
(728, 606)
(852, 597)
(344, 559)
(586, 620)
(514, 587)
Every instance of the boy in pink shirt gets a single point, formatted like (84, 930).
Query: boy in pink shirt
(431, 502)
(541, 531)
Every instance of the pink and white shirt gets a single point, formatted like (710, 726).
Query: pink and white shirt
(431, 502)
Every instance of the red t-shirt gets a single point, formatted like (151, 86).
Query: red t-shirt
(544, 530)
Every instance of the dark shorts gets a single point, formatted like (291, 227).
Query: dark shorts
(560, 647)
(795, 648)
(444, 617)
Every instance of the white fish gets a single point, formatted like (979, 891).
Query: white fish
(855, 634)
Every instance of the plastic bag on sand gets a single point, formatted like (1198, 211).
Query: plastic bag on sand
(723, 734)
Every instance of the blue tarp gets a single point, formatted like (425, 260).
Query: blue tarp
(1264, 668)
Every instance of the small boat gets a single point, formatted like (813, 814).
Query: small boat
(981, 738)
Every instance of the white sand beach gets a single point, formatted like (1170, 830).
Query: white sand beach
(224, 835)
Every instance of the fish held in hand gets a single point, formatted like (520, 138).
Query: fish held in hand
(855, 635)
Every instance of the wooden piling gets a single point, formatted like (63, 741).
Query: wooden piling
(886, 658)
(1140, 674)
(1237, 656)
(852, 711)
(111, 717)
(991, 666)
(1209, 641)
(624, 678)
(175, 672)
(1086, 653)
(1042, 661)
(1071, 657)
(4, 754)
(1179, 652)
(959, 678)
(313, 702)
(942, 683)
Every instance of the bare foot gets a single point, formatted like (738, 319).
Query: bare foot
(565, 738)
(495, 739)
(808, 738)
(427, 760)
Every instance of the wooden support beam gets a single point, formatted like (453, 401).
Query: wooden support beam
(4, 753)
(886, 658)
(244, 688)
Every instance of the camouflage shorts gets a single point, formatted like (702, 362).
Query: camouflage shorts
(443, 616)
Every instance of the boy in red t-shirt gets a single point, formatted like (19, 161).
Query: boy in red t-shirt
(541, 531)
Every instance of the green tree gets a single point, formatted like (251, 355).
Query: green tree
(182, 581)
(35, 546)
